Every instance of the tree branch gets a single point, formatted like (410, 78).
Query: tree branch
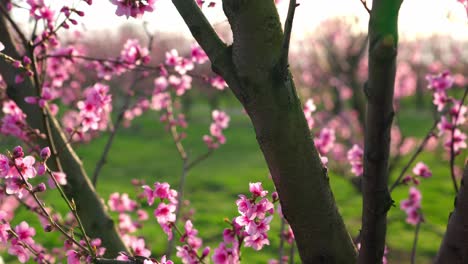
(283, 63)
(383, 42)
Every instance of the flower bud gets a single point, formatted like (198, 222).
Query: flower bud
(26, 60)
(48, 228)
(205, 252)
(40, 187)
(275, 196)
(45, 153)
(41, 169)
(18, 152)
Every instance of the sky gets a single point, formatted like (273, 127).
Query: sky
(417, 17)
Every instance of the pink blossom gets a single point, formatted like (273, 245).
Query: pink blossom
(440, 82)
(133, 8)
(412, 205)
(309, 108)
(257, 190)
(220, 122)
(4, 166)
(422, 170)
(224, 255)
(355, 156)
(19, 251)
(440, 99)
(160, 84)
(138, 248)
(325, 140)
(459, 141)
(165, 261)
(183, 66)
(172, 57)
(218, 82)
(198, 54)
(134, 54)
(257, 242)
(60, 177)
(24, 167)
(73, 257)
(160, 101)
(165, 213)
(162, 190)
(121, 203)
(25, 232)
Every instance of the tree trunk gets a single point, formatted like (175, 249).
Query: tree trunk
(252, 68)
(454, 247)
(383, 41)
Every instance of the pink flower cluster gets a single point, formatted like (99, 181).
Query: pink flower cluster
(133, 8)
(309, 108)
(46, 95)
(254, 217)
(218, 82)
(133, 54)
(220, 123)
(165, 212)
(419, 170)
(76, 255)
(454, 114)
(20, 239)
(39, 10)
(324, 143)
(95, 109)
(355, 158)
(412, 206)
(13, 122)
(188, 252)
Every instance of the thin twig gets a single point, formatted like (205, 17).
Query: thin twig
(180, 197)
(364, 3)
(110, 140)
(44, 211)
(281, 245)
(418, 151)
(199, 159)
(191, 248)
(452, 143)
(415, 241)
(71, 205)
(283, 63)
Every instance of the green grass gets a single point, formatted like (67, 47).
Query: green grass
(146, 151)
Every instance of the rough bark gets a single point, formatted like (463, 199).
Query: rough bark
(383, 40)
(266, 89)
(90, 208)
(454, 247)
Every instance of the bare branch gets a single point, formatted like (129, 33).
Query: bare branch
(283, 63)
(364, 3)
